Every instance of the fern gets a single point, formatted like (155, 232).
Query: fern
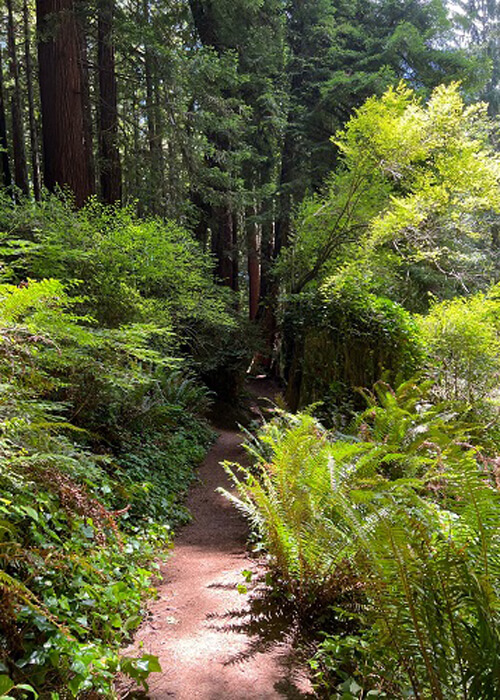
(400, 528)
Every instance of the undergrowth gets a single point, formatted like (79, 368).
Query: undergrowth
(101, 425)
(386, 542)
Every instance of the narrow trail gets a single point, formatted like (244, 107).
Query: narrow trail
(214, 643)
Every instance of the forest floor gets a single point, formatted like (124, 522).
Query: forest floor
(213, 642)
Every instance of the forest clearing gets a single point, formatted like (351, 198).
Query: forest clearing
(250, 349)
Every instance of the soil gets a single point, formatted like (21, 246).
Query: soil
(214, 642)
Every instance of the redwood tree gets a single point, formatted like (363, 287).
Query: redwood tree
(30, 90)
(5, 178)
(19, 148)
(109, 162)
(64, 128)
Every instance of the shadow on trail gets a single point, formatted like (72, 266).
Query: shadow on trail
(223, 645)
(268, 625)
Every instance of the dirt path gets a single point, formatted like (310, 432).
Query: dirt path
(213, 643)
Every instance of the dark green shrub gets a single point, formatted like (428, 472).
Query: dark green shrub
(341, 338)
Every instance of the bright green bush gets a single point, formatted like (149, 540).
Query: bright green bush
(411, 203)
(462, 338)
(127, 270)
(389, 540)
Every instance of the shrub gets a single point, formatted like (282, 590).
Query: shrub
(131, 270)
(342, 338)
(390, 539)
(463, 346)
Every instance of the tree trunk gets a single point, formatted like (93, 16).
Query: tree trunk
(109, 163)
(35, 154)
(284, 213)
(204, 22)
(266, 251)
(4, 144)
(65, 132)
(153, 122)
(235, 280)
(20, 166)
(269, 292)
(88, 123)
(253, 253)
(223, 247)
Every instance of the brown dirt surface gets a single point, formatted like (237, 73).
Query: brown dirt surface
(213, 642)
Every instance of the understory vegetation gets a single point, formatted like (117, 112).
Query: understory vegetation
(306, 188)
(384, 537)
(378, 503)
(102, 425)
(386, 542)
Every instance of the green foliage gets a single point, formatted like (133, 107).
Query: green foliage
(146, 279)
(342, 337)
(158, 468)
(342, 53)
(463, 346)
(417, 193)
(84, 510)
(476, 27)
(132, 270)
(389, 537)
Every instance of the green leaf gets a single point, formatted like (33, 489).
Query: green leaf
(116, 621)
(247, 575)
(6, 684)
(29, 688)
(31, 512)
(74, 684)
(153, 663)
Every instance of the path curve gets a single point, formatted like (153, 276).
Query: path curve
(211, 643)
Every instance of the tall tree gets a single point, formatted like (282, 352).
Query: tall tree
(109, 163)
(4, 144)
(254, 265)
(340, 54)
(84, 25)
(152, 112)
(242, 166)
(65, 131)
(30, 89)
(19, 148)
(218, 189)
(478, 23)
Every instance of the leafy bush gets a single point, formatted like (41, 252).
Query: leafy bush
(389, 539)
(343, 337)
(81, 518)
(463, 345)
(132, 271)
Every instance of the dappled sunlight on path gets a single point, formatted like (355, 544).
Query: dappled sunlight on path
(212, 641)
